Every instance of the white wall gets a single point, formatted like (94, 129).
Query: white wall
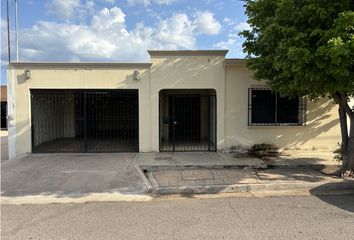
(321, 131)
(49, 77)
(187, 72)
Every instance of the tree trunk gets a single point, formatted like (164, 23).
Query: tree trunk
(350, 151)
(347, 144)
(345, 138)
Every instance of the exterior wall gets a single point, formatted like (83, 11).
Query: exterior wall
(321, 132)
(184, 71)
(187, 72)
(71, 78)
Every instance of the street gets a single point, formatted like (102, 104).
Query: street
(291, 217)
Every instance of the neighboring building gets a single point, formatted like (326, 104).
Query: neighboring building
(3, 97)
(181, 101)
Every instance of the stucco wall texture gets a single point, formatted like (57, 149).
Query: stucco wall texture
(170, 70)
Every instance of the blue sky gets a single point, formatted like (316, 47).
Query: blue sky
(120, 30)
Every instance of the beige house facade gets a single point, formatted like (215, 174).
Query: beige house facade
(179, 101)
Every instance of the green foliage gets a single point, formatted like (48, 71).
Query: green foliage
(302, 47)
(338, 153)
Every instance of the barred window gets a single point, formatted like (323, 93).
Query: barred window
(266, 108)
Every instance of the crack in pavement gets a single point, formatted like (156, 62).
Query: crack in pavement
(233, 209)
(259, 177)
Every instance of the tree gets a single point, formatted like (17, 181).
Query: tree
(306, 48)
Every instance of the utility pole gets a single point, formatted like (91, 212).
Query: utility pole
(16, 24)
(8, 30)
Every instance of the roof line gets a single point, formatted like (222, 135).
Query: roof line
(157, 53)
(81, 64)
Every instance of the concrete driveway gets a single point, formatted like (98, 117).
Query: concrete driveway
(74, 175)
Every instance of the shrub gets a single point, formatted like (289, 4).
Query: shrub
(264, 150)
(338, 154)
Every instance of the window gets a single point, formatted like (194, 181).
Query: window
(268, 108)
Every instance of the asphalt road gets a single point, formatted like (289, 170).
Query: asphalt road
(307, 217)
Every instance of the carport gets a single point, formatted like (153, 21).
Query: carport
(84, 120)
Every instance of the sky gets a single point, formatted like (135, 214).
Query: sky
(120, 30)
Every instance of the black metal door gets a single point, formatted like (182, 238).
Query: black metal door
(85, 120)
(3, 115)
(188, 123)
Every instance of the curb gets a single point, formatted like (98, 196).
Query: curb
(144, 178)
(314, 188)
(219, 191)
(235, 166)
(93, 197)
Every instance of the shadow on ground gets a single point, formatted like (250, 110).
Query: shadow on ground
(343, 203)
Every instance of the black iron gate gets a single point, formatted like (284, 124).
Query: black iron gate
(85, 120)
(187, 122)
(3, 115)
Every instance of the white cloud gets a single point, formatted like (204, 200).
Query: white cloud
(110, 1)
(233, 41)
(205, 23)
(139, 2)
(70, 9)
(229, 22)
(226, 20)
(106, 37)
(166, 2)
(242, 26)
(225, 44)
(178, 30)
(148, 2)
(109, 18)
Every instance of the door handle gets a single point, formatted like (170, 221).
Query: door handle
(175, 122)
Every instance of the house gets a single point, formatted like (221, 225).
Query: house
(180, 101)
(3, 98)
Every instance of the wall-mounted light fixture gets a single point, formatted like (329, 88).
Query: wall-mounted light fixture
(136, 75)
(27, 74)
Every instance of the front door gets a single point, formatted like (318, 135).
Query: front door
(187, 122)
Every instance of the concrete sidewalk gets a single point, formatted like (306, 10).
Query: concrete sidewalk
(4, 145)
(225, 180)
(66, 178)
(219, 172)
(185, 159)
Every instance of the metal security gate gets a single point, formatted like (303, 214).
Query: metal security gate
(3, 115)
(85, 121)
(187, 120)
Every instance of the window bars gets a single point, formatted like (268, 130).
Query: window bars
(266, 108)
